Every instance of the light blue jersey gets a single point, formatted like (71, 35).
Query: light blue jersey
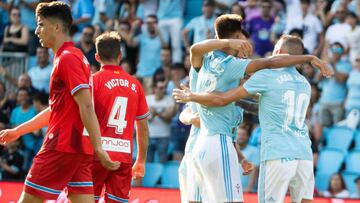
(194, 131)
(285, 96)
(220, 72)
(200, 26)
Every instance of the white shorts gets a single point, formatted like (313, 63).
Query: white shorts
(189, 189)
(216, 170)
(276, 176)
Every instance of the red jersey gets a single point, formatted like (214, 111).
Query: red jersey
(119, 100)
(71, 72)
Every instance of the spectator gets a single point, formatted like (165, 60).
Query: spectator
(127, 66)
(337, 187)
(338, 31)
(334, 89)
(164, 72)
(162, 110)
(260, 28)
(353, 37)
(251, 153)
(202, 27)
(87, 45)
(11, 162)
(103, 11)
(150, 43)
(294, 15)
(22, 113)
(177, 73)
(27, 11)
(6, 104)
(40, 74)
(251, 8)
(353, 85)
(237, 9)
(82, 12)
(128, 52)
(170, 14)
(16, 35)
(356, 195)
(349, 5)
(24, 81)
(4, 20)
(313, 36)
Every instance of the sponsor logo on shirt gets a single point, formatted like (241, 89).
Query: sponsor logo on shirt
(116, 145)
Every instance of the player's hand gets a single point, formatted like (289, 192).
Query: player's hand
(7, 136)
(195, 120)
(243, 47)
(247, 167)
(182, 95)
(138, 170)
(106, 161)
(324, 69)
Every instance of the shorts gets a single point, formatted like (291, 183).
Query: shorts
(276, 176)
(330, 114)
(216, 169)
(52, 171)
(189, 190)
(117, 183)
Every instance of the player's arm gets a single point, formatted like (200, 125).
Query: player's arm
(36, 123)
(88, 117)
(281, 61)
(142, 140)
(198, 50)
(187, 117)
(209, 99)
(245, 164)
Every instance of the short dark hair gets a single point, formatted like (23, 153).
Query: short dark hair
(90, 27)
(353, 15)
(56, 10)
(305, 1)
(292, 44)
(210, 3)
(297, 31)
(178, 66)
(153, 16)
(108, 45)
(227, 24)
(42, 97)
(337, 44)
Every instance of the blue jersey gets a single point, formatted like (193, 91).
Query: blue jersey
(220, 72)
(194, 131)
(284, 99)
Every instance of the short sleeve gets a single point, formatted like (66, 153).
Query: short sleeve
(143, 109)
(319, 27)
(257, 82)
(235, 66)
(73, 72)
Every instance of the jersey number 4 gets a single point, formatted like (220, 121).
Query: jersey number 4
(117, 115)
(296, 108)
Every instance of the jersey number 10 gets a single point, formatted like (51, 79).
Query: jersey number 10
(296, 108)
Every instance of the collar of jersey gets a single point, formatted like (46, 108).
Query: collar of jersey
(111, 67)
(64, 46)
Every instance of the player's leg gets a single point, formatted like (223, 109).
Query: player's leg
(274, 179)
(28, 198)
(99, 175)
(182, 179)
(193, 180)
(303, 183)
(48, 176)
(80, 186)
(118, 184)
(219, 169)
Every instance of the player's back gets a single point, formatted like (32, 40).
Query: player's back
(220, 72)
(119, 100)
(285, 96)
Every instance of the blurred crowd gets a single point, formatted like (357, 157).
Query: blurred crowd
(156, 37)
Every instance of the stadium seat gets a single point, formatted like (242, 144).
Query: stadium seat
(349, 178)
(357, 139)
(170, 175)
(322, 181)
(339, 137)
(353, 161)
(152, 175)
(330, 160)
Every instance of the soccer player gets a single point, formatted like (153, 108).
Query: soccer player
(119, 102)
(66, 156)
(286, 156)
(220, 70)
